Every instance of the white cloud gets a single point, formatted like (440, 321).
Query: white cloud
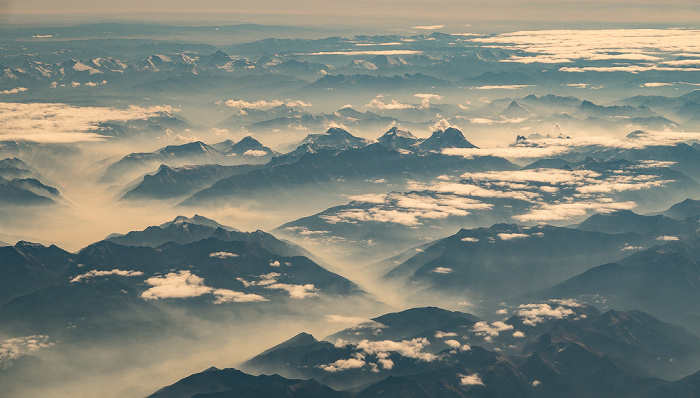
(223, 255)
(343, 364)
(392, 105)
(393, 43)
(537, 313)
(407, 348)
(13, 348)
(512, 236)
(468, 239)
(298, 104)
(507, 152)
(378, 52)
(296, 291)
(426, 98)
(503, 87)
(428, 27)
(453, 343)
(14, 90)
(470, 380)
(443, 125)
(260, 104)
(652, 164)
(567, 302)
(500, 120)
(354, 320)
(667, 238)
(60, 123)
(263, 104)
(442, 270)
(255, 153)
(565, 211)
(643, 49)
(95, 273)
(518, 334)
(182, 284)
(386, 363)
(407, 209)
(230, 296)
(489, 331)
(440, 335)
(629, 247)
(653, 84)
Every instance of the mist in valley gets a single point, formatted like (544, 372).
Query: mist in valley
(183, 200)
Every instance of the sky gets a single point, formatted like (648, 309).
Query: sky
(393, 14)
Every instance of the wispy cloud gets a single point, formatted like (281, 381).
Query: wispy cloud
(60, 123)
(12, 349)
(14, 90)
(184, 284)
(369, 52)
(96, 273)
(428, 27)
(644, 49)
(263, 104)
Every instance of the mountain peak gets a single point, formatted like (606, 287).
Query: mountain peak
(448, 138)
(515, 110)
(398, 139)
(197, 220)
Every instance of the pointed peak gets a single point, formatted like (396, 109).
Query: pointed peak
(336, 131)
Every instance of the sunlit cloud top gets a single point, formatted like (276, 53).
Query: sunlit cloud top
(642, 49)
(62, 123)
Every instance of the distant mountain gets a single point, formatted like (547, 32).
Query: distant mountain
(249, 146)
(15, 168)
(358, 82)
(507, 259)
(677, 184)
(398, 139)
(135, 162)
(554, 163)
(498, 78)
(326, 168)
(296, 124)
(408, 324)
(247, 116)
(185, 154)
(683, 210)
(234, 383)
(626, 221)
(448, 138)
(685, 158)
(27, 267)
(554, 348)
(588, 108)
(149, 127)
(382, 225)
(515, 110)
(550, 102)
(21, 185)
(174, 182)
(334, 138)
(26, 192)
(108, 290)
(662, 280)
(185, 230)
